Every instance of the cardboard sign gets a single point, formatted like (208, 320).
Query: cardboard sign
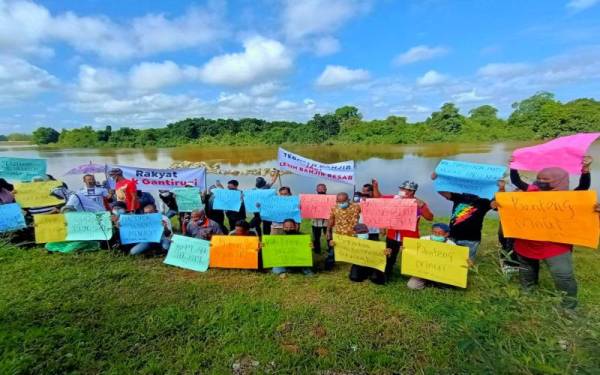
(141, 228)
(50, 228)
(87, 226)
(278, 208)
(563, 152)
(287, 251)
(188, 199)
(234, 252)
(189, 253)
(360, 252)
(435, 261)
(316, 206)
(11, 217)
(556, 216)
(399, 214)
(20, 169)
(254, 197)
(227, 200)
(36, 194)
(473, 178)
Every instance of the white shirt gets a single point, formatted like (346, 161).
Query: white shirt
(97, 194)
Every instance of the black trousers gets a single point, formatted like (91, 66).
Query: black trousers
(317, 232)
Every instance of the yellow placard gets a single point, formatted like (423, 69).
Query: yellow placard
(360, 252)
(50, 228)
(555, 216)
(36, 194)
(234, 252)
(435, 261)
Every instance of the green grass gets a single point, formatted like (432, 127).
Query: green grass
(102, 312)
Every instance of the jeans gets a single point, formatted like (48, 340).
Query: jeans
(561, 269)
(142, 247)
(317, 232)
(472, 245)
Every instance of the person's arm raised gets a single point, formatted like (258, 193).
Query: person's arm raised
(585, 181)
(376, 191)
(445, 194)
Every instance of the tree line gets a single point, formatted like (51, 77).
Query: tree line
(540, 116)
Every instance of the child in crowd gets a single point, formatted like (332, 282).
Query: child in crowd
(439, 233)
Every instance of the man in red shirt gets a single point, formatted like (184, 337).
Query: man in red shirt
(125, 190)
(394, 237)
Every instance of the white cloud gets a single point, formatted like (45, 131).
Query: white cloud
(313, 17)
(262, 59)
(336, 75)
(26, 27)
(431, 78)
(285, 104)
(326, 46)
(579, 5)
(505, 70)
(420, 53)
(265, 89)
(21, 80)
(97, 80)
(468, 97)
(149, 76)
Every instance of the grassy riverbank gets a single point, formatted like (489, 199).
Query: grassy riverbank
(102, 312)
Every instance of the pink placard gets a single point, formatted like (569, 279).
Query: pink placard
(399, 214)
(564, 152)
(316, 206)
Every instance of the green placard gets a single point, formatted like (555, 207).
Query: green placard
(287, 251)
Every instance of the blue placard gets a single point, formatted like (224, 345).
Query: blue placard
(20, 169)
(11, 217)
(465, 177)
(278, 208)
(227, 200)
(254, 196)
(140, 228)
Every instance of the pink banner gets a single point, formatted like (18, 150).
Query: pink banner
(564, 152)
(399, 214)
(316, 206)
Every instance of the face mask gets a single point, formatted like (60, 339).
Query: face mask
(321, 192)
(542, 185)
(362, 236)
(437, 238)
(343, 205)
(289, 231)
(401, 194)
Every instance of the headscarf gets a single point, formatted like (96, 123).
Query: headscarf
(260, 182)
(558, 178)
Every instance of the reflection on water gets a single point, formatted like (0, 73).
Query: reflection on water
(390, 164)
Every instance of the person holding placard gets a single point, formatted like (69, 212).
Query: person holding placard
(466, 221)
(235, 216)
(242, 228)
(407, 190)
(366, 193)
(344, 216)
(290, 228)
(208, 198)
(165, 241)
(439, 233)
(261, 184)
(361, 273)
(200, 226)
(319, 226)
(557, 256)
(277, 228)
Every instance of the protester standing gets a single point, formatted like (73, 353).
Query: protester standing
(235, 216)
(344, 216)
(125, 190)
(319, 226)
(277, 227)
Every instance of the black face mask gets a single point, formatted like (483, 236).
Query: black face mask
(289, 231)
(542, 185)
(321, 192)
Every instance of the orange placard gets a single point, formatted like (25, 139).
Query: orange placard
(555, 216)
(234, 252)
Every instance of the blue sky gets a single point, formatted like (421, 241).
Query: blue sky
(146, 63)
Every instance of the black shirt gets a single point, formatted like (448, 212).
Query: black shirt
(468, 212)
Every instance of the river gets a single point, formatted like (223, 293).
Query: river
(389, 164)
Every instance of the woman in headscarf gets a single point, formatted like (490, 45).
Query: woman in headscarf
(6, 192)
(557, 256)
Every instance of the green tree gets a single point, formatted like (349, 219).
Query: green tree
(327, 124)
(527, 112)
(43, 136)
(347, 112)
(3, 138)
(447, 119)
(104, 135)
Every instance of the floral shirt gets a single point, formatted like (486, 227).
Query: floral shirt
(344, 219)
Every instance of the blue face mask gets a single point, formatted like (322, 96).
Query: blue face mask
(362, 236)
(343, 205)
(437, 238)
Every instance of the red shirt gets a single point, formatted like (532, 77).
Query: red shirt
(124, 190)
(540, 249)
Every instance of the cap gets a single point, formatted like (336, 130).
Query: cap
(115, 171)
(409, 185)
